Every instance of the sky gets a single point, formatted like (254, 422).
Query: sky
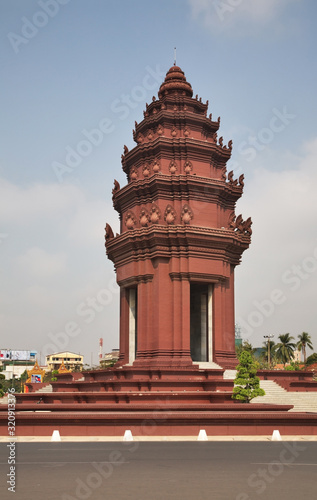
(76, 74)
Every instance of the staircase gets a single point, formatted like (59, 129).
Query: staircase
(157, 402)
(47, 388)
(275, 394)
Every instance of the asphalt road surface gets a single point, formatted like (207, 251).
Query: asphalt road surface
(160, 471)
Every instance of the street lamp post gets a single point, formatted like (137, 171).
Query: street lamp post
(268, 337)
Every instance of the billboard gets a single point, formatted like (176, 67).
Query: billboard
(17, 355)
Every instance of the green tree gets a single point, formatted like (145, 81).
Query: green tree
(285, 348)
(294, 366)
(50, 376)
(311, 359)
(245, 346)
(265, 352)
(246, 383)
(303, 342)
(54, 376)
(2, 377)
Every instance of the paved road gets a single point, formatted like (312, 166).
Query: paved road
(162, 471)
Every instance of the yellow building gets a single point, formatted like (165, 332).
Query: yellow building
(110, 358)
(297, 356)
(72, 361)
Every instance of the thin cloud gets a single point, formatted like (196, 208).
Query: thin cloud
(53, 261)
(37, 201)
(238, 17)
(283, 252)
(40, 264)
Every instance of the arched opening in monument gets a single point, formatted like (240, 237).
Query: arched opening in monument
(201, 322)
(133, 323)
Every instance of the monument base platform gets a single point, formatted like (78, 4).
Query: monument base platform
(162, 423)
(150, 402)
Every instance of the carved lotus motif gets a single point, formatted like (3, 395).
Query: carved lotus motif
(133, 174)
(155, 214)
(146, 170)
(154, 217)
(188, 167)
(173, 132)
(173, 167)
(156, 167)
(129, 223)
(130, 220)
(169, 215)
(144, 218)
(186, 132)
(187, 214)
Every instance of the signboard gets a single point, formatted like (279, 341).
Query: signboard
(35, 378)
(17, 355)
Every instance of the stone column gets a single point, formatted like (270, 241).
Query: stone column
(132, 323)
(143, 308)
(181, 321)
(124, 327)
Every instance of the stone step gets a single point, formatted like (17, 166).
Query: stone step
(154, 407)
(124, 397)
(143, 374)
(274, 394)
(47, 388)
(215, 384)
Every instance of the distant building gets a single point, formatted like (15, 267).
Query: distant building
(237, 342)
(72, 361)
(14, 362)
(110, 358)
(297, 356)
(14, 371)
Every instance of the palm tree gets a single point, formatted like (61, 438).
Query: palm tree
(245, 346)
(265, 352)
(304, 340)
(285, 348)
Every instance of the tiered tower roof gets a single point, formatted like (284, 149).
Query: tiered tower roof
(177, 174)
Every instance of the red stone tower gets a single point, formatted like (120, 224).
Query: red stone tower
(180, 239)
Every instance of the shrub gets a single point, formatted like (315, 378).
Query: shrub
(247, 384)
